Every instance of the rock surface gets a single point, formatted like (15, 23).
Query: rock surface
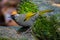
(11, 32)
(8, 33)
(44, 4)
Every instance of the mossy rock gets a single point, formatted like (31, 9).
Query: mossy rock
(45, 28)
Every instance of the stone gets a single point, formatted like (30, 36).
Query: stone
(7, 32)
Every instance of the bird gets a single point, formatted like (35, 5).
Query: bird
(31, 14)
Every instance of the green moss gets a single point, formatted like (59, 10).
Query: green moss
(27, 6)
(2, 38)
(45, 29)
(23, 38)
